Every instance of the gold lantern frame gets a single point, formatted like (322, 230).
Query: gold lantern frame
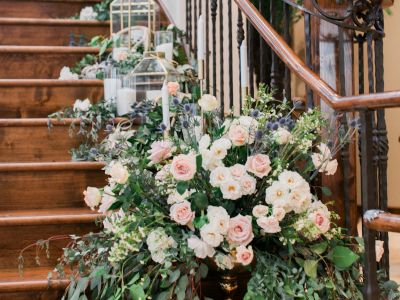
(149, 7)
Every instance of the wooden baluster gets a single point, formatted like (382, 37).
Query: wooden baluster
(368, 196)
(383, 144)
(307, 31)
(214, 6)
(207, 34)
(195, 16)
(360, 41)
(189, 28)
(240, 39)
(221, 57)
(287, 26)
(251, 37)
(230, 59)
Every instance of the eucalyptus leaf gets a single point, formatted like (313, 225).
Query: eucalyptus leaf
(310, 268)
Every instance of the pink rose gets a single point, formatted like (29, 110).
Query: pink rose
(259, 165)
(244, 255)
(321, 219)
(240, 231)
(238, 135)
(173, 88)
(269, 224)
(238, 171)
(183, 167)
(159, 151)
(181, 213)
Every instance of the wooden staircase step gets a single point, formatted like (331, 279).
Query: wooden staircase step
(37, 98)
(39, 61)
(31, 140)
(27, 225)
(43, 8)
(50, 32)
(28, 186)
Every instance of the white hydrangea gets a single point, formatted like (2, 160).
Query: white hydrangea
(66, 74)
(87, 14)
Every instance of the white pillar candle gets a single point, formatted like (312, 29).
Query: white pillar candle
(125, 98)
(167, 48)
(200, 38)
(111, 85)
(165, 105)
(243, 65)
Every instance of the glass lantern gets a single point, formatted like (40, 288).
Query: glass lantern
(130, 16)
(150, 74)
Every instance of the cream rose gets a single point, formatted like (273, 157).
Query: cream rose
(259, 165)
(260, 211)
(160, 150)
(92, 197)
(248, 184)
(181, 213)
(82, 105)
(118, 173)
(220, 147)
(210, 234)
(278, 212)
(173, 88)
(269, 224)
(238, 134)
(240, 232)
(219, 218)
(183, 167)
(219, 175)
(276, 192)
(231, 189)
(238, 171)
(200, 248)
(106, 202)
(208, 102)
(244, 255)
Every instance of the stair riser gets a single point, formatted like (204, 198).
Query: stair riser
(44, 144)
(41, 9)
(10, 247)
(38, 35)
(22, 190)
(37, 295)
(40, 101)
(36, 65)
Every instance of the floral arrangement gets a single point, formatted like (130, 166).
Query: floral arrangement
(211, 195)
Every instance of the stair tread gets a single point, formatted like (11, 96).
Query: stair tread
(31, 279)
(50, 166)
(48, 49)
(48, 216)
(49, 82)
(52, 22)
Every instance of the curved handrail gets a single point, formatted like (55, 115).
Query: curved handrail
(312, 80)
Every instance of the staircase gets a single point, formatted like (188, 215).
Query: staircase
(41, 189)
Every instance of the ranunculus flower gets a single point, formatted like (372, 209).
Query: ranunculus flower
(321, 219)
(160, 150)
(269, 224)
(200, 248)
(210, 234)
(239, 135)
(260, 211)
(82, 105)
(259, 165)
(219, 175)
(92, 197)
(231, 189)
(244, 255)
(183, 167)
(173, 88)
(208, 102)
(219, 218)
(182, 213)
(379, 250)
(283, 136)
(238, 171)
(240, 230)
(118, 173)
(248, 184)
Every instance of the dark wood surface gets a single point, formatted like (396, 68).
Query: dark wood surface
(386, 222)
(39, 98)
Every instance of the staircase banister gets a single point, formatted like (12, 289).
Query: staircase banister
(382, 221)
(312, 80)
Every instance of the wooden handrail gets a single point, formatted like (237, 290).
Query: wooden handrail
(385, 222)
(312, 80)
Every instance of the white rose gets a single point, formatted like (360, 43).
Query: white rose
(82, 105)
(220, 147)
(219, 218)
(260, 211)
(291, 179)
(210, 234)
(204, 142)
(200, 248)
(248, 184)
(299, 200)
(331, 167)
(87, 14)
(269, 224)
(66, 74)
(231, 189)
(208, 102)
(248, 122)
(278, 212)
(277, 191)
(209, 162)
(106, 201)
(118, 173)
(92, 197)
(238, 171)
(283, 136)
(219, 175)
